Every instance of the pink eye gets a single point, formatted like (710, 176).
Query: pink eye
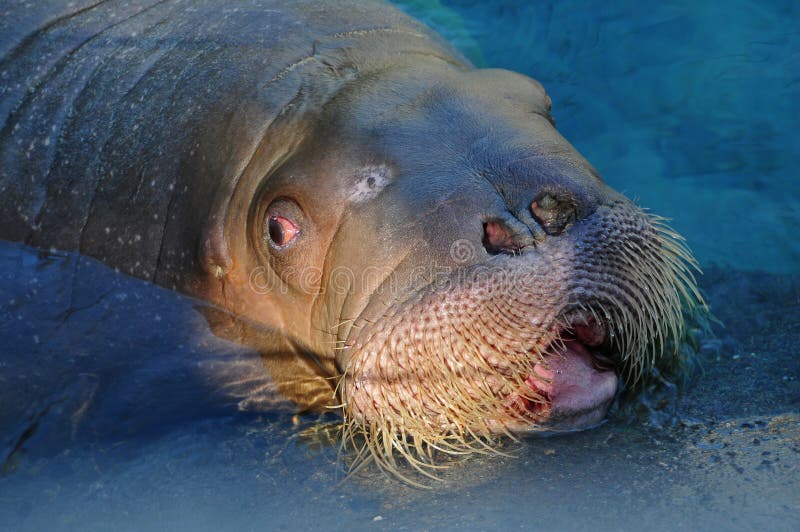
(281, 230)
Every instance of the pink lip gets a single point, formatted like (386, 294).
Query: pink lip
(566, 390)
(572, 384)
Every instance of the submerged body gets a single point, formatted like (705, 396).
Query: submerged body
(419, 243)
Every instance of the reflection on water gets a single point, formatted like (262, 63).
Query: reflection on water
(692, 109)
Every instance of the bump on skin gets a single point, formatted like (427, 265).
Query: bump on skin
(369, 182)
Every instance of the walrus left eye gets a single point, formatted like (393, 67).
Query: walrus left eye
(281, 230)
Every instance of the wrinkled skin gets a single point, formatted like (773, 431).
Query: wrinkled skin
(438, 259)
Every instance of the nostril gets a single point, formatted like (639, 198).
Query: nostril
(498, 238)
(554, 214)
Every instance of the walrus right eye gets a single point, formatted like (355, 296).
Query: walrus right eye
(281, 231)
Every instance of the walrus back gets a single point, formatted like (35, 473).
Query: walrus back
(120, 122)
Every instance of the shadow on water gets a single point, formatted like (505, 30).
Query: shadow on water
(690, 109)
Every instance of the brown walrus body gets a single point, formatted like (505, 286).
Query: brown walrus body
(449, 266)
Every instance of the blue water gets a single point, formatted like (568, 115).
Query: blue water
(692, 108)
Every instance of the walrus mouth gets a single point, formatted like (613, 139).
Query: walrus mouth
(571, 384)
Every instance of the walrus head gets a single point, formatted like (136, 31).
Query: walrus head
(457, 266)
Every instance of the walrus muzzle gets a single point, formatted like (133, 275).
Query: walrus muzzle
(527, 342)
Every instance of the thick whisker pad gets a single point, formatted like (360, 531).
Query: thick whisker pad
(451, 370)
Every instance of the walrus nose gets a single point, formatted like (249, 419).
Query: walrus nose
(554, 213)
(506, 235)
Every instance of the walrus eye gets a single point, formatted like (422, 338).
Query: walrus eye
(281, 230)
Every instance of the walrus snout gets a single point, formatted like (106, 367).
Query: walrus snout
(523, 339)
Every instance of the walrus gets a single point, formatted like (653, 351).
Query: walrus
(423, 249)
